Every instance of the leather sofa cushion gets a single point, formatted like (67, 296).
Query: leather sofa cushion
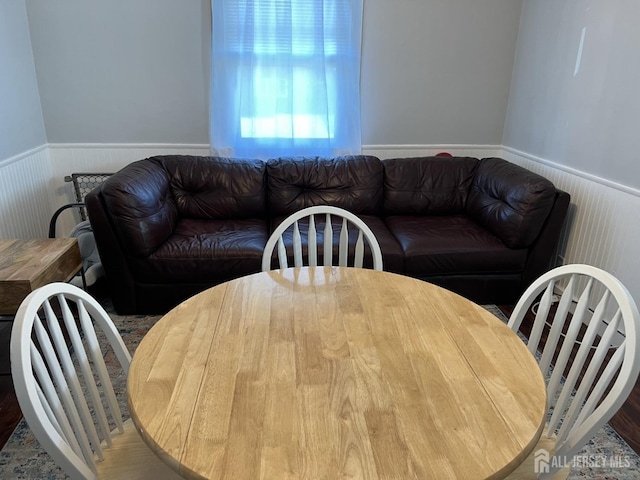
(215, 187)
(452, 245)
(392, 255)
(205, 251)
(510, 201)
(350, 182)
(427, 185)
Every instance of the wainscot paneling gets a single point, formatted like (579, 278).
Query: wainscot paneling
(26, 197)
(602, 228)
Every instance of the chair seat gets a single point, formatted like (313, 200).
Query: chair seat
(204, 251)
(526, 471)
(130, 458)
(455, 245)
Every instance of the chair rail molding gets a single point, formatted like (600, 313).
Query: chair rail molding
(506, 151)
(461, 150)
(16, 158)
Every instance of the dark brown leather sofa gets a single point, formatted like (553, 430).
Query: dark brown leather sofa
(168, 227)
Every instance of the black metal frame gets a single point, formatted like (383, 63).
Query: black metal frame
(83, 183)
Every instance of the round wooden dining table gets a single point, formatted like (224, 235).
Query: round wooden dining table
(332, 372)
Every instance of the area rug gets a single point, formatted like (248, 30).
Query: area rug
(607, 456)
(22, 457)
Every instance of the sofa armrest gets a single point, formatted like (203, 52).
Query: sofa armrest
(543, 253)
(142, 210)
(510, 201)
(113, 259)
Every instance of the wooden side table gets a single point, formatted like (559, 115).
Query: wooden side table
(24, 266)
(28, 264)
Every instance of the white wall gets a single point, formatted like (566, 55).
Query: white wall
(437, 71)
(136, 71)
(574, 117)
(21, 123)
(122, 71)
(25, 168)
(125, 79)
(579, 107)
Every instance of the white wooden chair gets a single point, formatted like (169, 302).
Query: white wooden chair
(313, 214)
(67, 398)
(596, 329)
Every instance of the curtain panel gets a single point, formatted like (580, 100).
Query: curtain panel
(285, 77)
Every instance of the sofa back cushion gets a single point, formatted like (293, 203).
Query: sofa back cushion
(215, 188)
(350, 182)
(427, 185)
(146, 198)
(142, 210)
(510, 201)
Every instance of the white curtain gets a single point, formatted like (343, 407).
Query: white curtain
(285, 77)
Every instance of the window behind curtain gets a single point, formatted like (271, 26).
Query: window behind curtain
(286, 77)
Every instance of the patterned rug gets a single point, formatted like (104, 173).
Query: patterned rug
(606, 456)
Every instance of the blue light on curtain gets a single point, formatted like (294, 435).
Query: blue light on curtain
(285, 77)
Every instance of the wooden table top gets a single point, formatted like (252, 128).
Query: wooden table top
(335, 372)
(28, 264)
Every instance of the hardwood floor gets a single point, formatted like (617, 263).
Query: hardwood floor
(5, 334)
(10, 413)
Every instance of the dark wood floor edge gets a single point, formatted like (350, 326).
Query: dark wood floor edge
(10, 414)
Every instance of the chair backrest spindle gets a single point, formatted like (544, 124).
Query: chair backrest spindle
(346, 242)
(328, 242)
(312, 242)
(297, 246)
